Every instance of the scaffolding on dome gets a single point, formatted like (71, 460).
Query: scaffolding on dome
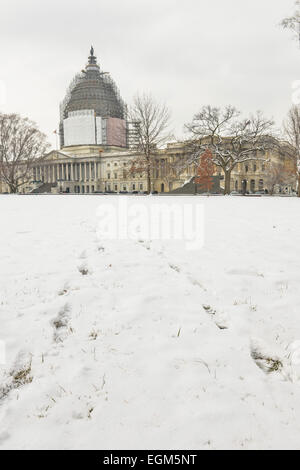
(62, 107)
(92, 89)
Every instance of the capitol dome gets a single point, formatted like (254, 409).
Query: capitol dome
(91, 91)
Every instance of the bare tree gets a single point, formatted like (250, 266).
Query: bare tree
(292, 133)
(293, 22)
(151, 120)
(21, 143)
(278, 176)
(230, 138)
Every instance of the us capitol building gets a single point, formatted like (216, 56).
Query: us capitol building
(95, 137)
(96, 151)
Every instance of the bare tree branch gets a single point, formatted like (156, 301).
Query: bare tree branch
(293, 22)
(151, 120)
(21, 143)
(292, 133)
(278, 176)
(231, 140)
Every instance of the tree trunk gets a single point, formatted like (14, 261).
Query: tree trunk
(148, 171)
(148, 178)
(12, 188)
(227, 175)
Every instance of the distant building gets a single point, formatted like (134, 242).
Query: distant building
(256, 175)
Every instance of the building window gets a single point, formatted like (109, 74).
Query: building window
(116, 187)
(141, 187)
(246, 168)
(133, 187)
(261, 185)
(263, 167)
(116, 176)
(108, 176)
(254, 167)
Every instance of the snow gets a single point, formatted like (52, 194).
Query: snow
(140, 344)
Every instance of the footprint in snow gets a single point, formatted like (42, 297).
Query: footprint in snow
(265, 357)
(175, 268)
(83, 269)
(60, 324)
(18, 375)
(64, 290)
(197, 283)
(220, 319)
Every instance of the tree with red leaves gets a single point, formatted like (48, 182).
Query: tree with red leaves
(205, 172)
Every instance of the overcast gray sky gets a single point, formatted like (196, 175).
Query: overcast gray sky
(187, 53)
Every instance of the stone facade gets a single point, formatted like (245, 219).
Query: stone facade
(254, 175)
(91, 169)
(87, 169)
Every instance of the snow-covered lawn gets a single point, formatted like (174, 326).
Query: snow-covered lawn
(138, 344)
